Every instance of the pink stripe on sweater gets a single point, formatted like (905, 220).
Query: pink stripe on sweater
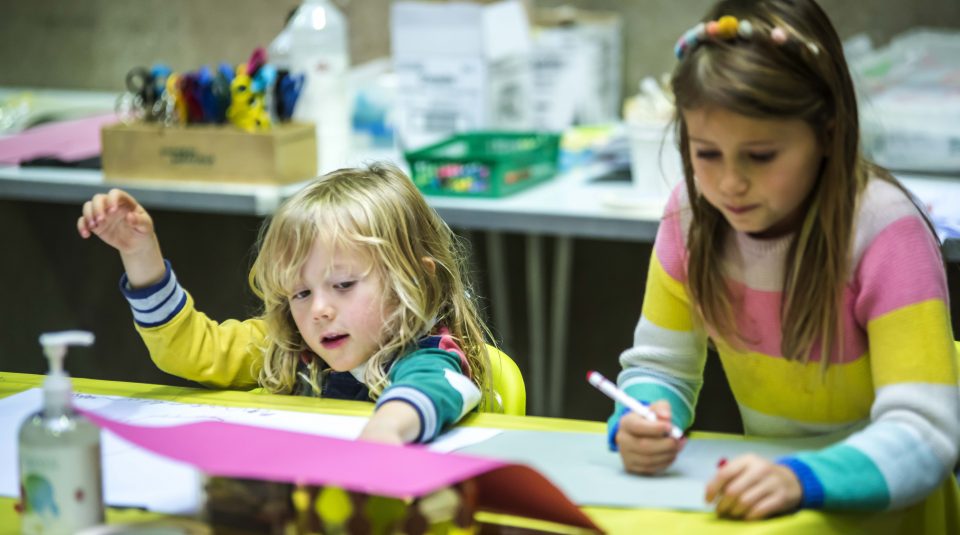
(758, 320)
(902, 266)
(670, 245)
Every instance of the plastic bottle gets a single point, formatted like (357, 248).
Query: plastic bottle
(314, 42)
(60, 476)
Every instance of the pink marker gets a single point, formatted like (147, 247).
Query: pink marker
(604, 385)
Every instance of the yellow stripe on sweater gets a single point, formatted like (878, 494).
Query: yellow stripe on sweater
(665, 303)
(802, 392)
(913, 344)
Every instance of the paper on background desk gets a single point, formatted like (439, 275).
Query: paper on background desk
(135, 477)
(68, 140)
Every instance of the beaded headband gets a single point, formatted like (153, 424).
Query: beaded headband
(727, 28)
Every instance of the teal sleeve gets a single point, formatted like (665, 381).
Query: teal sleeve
(430, 380)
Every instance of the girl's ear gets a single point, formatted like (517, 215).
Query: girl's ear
(430, 264)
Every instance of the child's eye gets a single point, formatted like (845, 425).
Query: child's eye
(763, 157)
(708, 154)
(346, 285)
(302, 294)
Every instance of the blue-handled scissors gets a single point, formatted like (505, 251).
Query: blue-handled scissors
(288, 91)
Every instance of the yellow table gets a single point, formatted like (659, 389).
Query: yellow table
(909, 521)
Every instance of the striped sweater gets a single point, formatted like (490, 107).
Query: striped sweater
(891, 392)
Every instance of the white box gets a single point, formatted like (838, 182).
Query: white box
(459, 66)
(655, 162)
(910, 101)
(577, 67)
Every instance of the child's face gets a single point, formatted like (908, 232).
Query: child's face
(339, 306)
(757, 172)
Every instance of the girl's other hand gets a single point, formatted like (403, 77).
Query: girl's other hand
(118, 219)
(646, 447)
(751, 487)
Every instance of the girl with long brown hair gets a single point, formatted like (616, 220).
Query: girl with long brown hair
(812, 272)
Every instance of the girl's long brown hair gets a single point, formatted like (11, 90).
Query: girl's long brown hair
(758, 78)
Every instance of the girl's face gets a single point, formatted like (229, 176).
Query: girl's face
(757, 172)
(339, 306)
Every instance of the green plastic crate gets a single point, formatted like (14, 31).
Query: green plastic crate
(485, 164)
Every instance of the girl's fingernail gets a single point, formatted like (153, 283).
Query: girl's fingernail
(721, 462)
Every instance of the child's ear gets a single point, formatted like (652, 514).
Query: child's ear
(430, 264)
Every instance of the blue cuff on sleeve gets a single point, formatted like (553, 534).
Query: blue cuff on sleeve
(813, 493)
(613, 426)
(155, 304)
(147, 291)
(420, 438)
(421, 403)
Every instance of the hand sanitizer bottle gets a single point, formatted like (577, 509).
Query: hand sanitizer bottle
(314, 43)
(60, 476)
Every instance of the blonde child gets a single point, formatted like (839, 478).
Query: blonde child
(812, 272)
(364, 297)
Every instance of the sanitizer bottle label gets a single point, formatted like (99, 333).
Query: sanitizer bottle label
(60, 490)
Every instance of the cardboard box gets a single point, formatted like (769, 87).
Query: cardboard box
(577, 65)
(286, 153)
(460, 67)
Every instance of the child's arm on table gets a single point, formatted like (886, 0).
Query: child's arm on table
(394, 422)
(428, 392)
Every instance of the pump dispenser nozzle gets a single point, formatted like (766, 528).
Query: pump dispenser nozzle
(56, 385)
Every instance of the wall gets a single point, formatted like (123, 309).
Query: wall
(90, 44)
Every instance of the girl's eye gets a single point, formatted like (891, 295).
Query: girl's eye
(302, 294)
(346, 285)
(708, 154)
(763, 157)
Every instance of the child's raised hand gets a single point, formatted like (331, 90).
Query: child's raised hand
(118, 219)
(751, 487)
(646, 447)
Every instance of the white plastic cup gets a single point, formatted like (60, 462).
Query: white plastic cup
(654, 159)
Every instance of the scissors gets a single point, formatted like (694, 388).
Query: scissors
(141, 85)
(288, 88)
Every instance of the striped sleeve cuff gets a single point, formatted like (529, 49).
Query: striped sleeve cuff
(157, 304)
(813, 493)
(421, 403)
(648, 386)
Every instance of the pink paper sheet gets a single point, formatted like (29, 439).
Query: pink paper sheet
(70, 140)
(234, 450)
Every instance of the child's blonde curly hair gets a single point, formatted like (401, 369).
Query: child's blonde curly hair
(376, 211)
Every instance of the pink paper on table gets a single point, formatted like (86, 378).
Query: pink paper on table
(75, 139)
(243, 451)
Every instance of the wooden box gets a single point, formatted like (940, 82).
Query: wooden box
(286, 153)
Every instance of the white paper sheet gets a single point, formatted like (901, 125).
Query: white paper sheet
(134, 477)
